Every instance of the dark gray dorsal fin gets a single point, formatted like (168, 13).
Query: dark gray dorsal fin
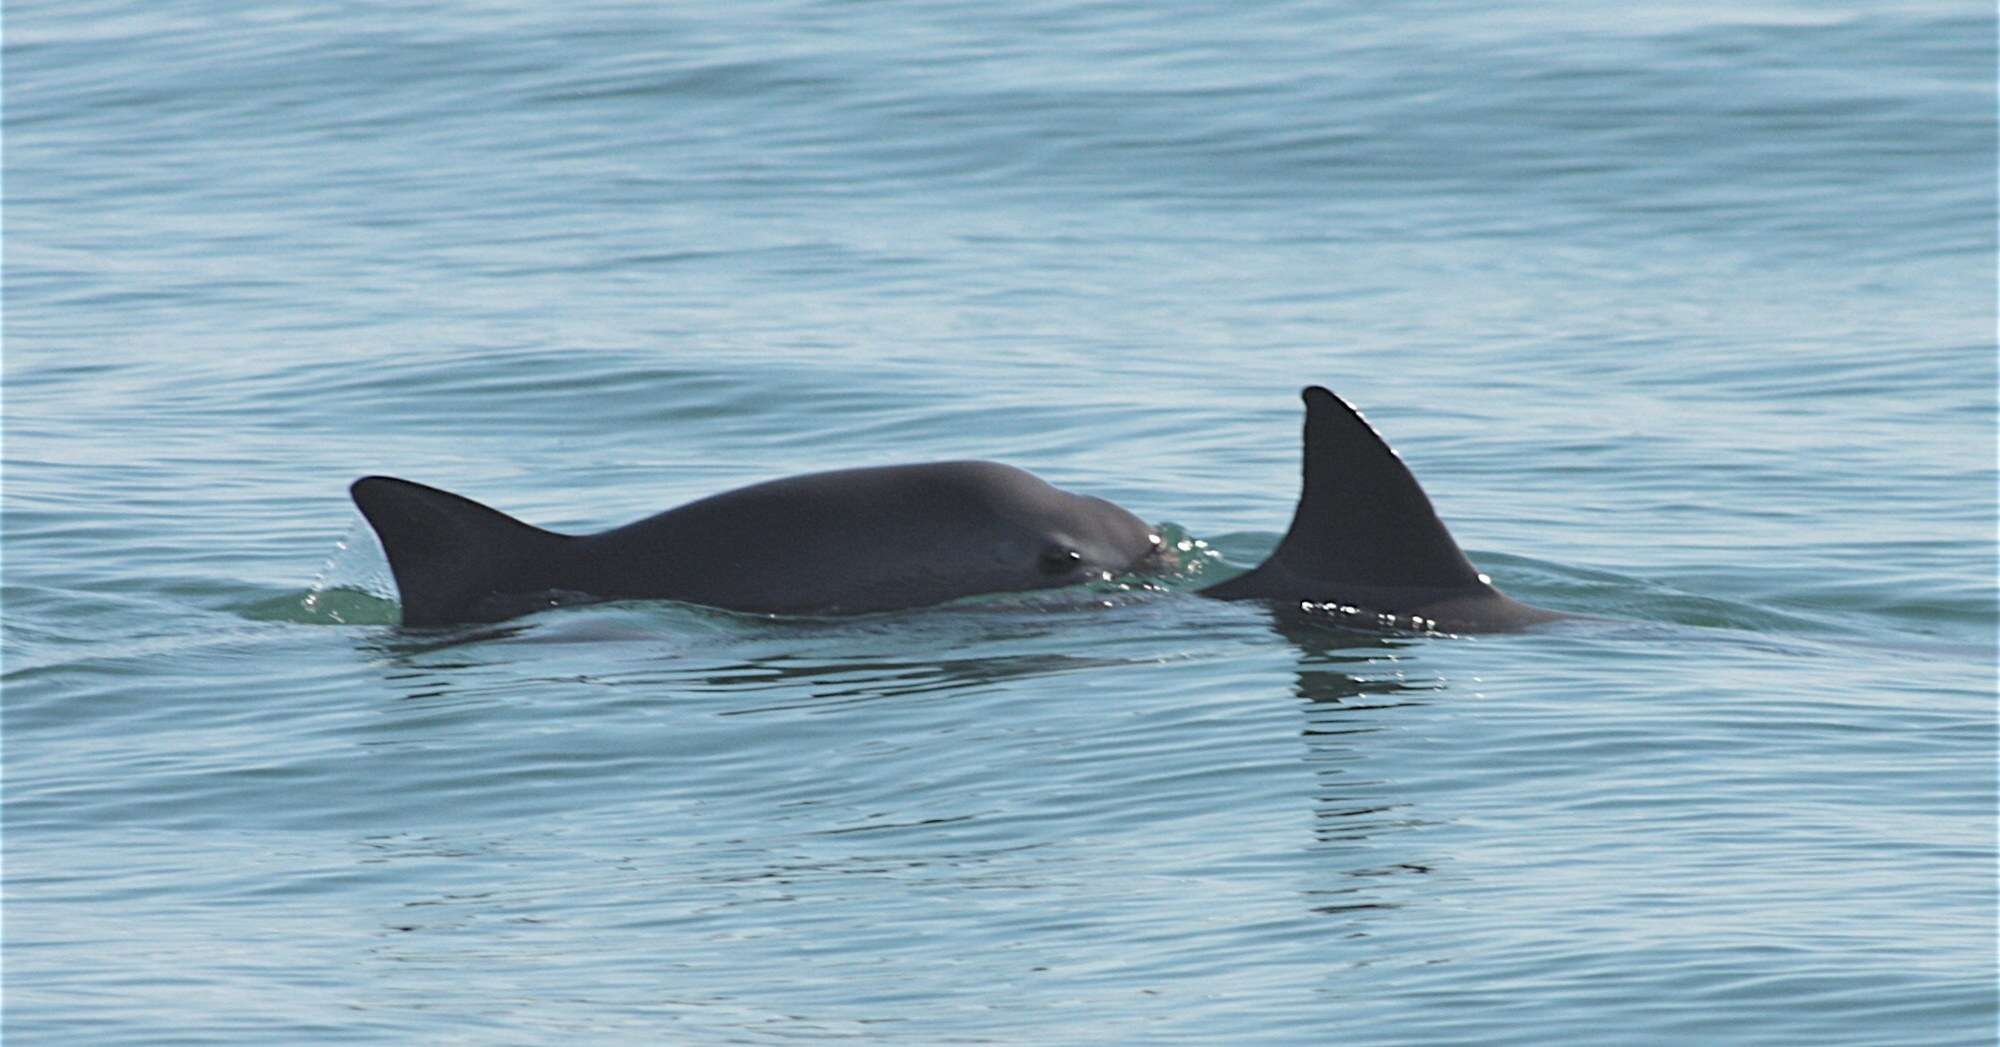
(1362, 521)
(451, 554)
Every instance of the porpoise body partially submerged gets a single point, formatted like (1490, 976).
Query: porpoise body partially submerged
(1364, 544)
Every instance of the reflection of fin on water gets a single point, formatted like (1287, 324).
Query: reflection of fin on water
(1366, 548)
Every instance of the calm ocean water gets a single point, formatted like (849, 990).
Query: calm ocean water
(1684, 314)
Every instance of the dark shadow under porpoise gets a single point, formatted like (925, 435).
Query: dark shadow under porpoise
(1364, 547)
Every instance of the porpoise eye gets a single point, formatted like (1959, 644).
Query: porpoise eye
(1060, 559)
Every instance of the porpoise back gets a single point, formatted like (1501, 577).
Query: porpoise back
(843, 542)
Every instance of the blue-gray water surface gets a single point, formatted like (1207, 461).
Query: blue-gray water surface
(1683, 314)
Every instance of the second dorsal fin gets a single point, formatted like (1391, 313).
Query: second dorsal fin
(453, 557)
(1362, 522)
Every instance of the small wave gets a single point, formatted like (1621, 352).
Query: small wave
(325, 607)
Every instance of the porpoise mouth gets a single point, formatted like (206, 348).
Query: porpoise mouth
(1162, 558)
